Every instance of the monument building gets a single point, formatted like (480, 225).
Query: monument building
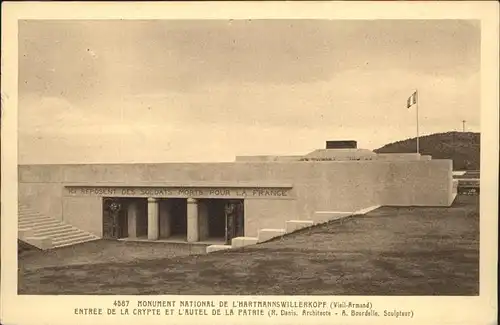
(214, 203)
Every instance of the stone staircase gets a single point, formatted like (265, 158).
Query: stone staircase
(45, 232)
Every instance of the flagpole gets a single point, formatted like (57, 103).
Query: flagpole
(418, 135)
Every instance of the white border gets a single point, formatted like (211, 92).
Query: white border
(428, 310)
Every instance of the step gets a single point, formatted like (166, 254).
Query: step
(55, 231)
(29, 214)
(215, 248)
(366, 210)
(325, 216)
(35, 221)
(68, 235)
(267, 234)
(238, 242)
(24, 208)
(59, 226)
(294, 225)
(43, 243)
(49, 232)
(41, 222)
(51, 227)
(75, 242)
(34, 218)
(29, 218)
(70, 241)
(47, 225)
(40, 225)
(64, 236)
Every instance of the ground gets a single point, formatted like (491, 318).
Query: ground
(389, 251)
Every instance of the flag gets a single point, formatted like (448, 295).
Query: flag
(411, 100)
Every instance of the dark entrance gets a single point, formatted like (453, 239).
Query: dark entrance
(225, 219)
(235, 222)
(216, 219)
(178, 213)
(115, 222)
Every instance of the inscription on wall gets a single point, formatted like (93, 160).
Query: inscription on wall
(183, 192)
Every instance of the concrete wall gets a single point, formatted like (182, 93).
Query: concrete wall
(45, 198)
(41, 186)
(268, 214)
(418, 183)
(84, 213)
(317, 186)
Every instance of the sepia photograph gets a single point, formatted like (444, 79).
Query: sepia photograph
(261, 157)
(231, 157)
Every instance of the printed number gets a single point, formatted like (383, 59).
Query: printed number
(120, 303)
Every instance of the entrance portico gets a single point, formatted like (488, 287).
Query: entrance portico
(210, 213)
(188, 220)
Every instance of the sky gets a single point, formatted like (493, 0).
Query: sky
(208, 90)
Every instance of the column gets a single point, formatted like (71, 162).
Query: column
(153, 219)
(165, 219)
(192, 220)
(132, 217)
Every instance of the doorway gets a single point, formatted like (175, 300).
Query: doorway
(235, 221)
(225, 219)
(178, 220)
(216, 222)
(114, 218)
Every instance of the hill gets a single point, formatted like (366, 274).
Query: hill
(462, 147)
